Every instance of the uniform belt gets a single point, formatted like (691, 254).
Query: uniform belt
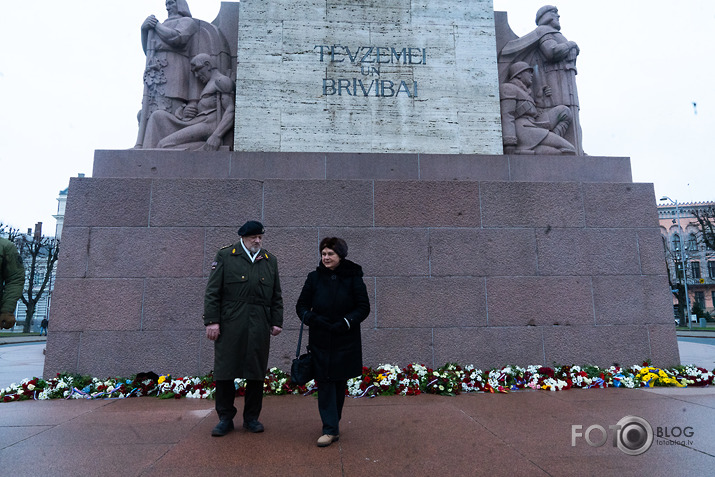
(254, 300)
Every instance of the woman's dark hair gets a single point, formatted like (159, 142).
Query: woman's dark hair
(337, 245)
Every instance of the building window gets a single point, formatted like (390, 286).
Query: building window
(700, 299)
(711, 269)
(695, 268)
(692, 242)
(676, 243)
(713, 297)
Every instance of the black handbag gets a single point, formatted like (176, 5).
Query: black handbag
(301, 371)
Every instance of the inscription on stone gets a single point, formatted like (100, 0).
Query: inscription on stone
(363, 57)
(359, 76)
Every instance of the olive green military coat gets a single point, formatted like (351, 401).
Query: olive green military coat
(245, 299)
(13, 276)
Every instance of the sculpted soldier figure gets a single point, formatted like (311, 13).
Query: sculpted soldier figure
(525, 129)
(201, 126)
(243, 308)
(554, 56)
(171, 84)
(168, 83)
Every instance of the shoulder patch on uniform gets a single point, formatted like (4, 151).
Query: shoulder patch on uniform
(214, 265)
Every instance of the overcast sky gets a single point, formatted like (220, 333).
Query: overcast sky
(71, 82)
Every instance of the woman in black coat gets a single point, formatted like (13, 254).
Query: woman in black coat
(333, 303)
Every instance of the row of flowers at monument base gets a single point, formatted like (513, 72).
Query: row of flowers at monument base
(450, 379)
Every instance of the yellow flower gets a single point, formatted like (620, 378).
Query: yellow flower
(647, 370)
(649, 376)
(161, 379)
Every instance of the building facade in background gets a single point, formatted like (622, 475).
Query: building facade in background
(699, 260)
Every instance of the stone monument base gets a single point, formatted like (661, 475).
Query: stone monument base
(483, 260)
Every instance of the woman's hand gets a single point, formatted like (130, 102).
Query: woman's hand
(317, 321)
(341, 326)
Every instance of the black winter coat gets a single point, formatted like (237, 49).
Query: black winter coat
(328, 297)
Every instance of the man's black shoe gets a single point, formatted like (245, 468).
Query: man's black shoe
(253, 426)
(223, 427)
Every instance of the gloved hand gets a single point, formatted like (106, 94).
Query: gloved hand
(7, 320)
(316, 321)
(307, 315)
(309, 318)
(339, 327)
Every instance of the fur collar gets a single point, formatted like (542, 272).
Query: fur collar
(346, 268)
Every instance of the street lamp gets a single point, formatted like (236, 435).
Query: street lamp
(682, 259)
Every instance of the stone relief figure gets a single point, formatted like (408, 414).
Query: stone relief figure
(169, 84)
(201, 125)
(525, 128)
(553, 58)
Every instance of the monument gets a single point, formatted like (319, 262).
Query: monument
(453, 168)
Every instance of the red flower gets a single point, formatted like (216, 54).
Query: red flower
(547, 371)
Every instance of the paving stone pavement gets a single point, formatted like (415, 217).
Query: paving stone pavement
(520, 433)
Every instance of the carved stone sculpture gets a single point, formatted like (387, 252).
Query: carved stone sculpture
(553, 59)
(169, 84)
(525, 128)
(200, 125)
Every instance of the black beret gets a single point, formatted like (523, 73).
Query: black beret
(252, 227)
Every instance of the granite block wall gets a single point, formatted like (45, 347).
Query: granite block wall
(372, 166)
(487, 271)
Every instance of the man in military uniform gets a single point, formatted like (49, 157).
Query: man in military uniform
(12, 279)
(243, 308)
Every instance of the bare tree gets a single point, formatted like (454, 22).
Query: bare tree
(706, 220)
(10, 233)
(39, 254)
(677, 288)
